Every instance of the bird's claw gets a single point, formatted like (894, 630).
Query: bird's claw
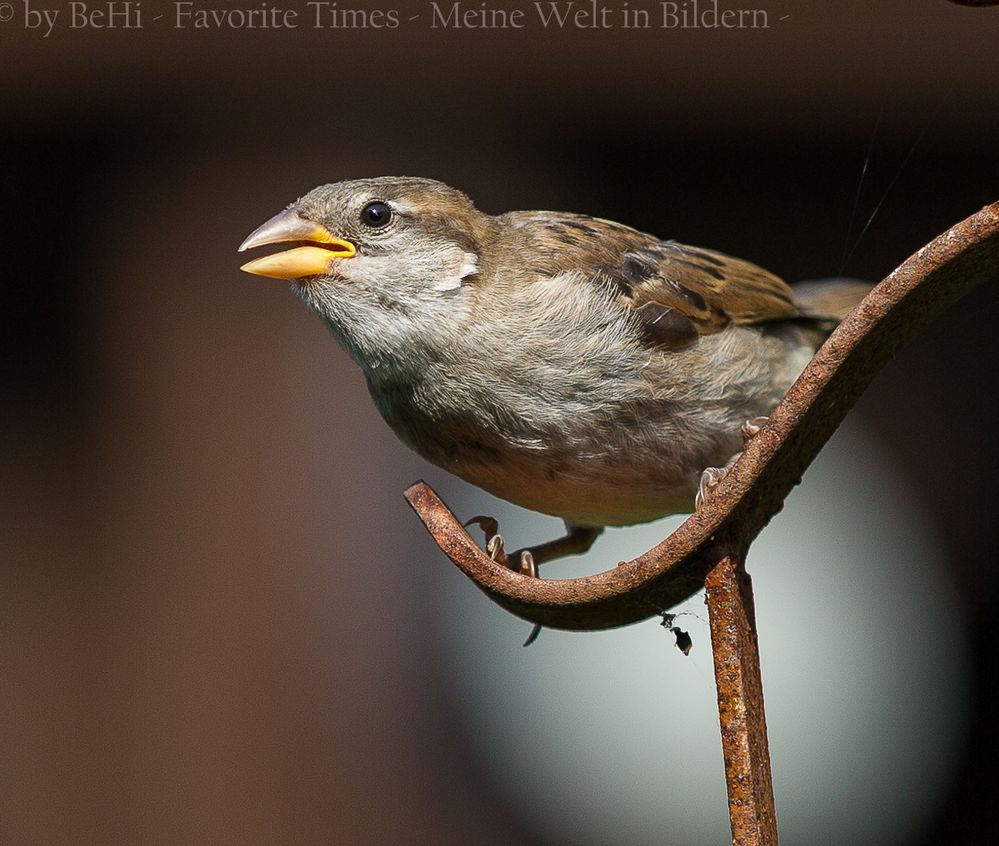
(526, 564)
(488, 525)
(497, 551)
(751, 428)
(712, 476)
(710, 479)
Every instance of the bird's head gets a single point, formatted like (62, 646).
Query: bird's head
(383, 261)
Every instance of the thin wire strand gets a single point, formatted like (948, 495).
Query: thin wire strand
(860, 184)
(930, 121)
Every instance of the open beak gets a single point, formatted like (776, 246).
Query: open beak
(313, 248)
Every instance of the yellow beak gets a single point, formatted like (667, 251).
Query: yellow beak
(314, 257)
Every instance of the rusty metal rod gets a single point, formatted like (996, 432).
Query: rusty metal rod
(709, 548)
(771, 464)
(729, 596)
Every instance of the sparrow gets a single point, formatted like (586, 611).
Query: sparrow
(569, 364)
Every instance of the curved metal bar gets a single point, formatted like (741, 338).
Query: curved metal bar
(771, 464)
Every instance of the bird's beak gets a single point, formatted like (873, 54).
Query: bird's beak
(314, 248)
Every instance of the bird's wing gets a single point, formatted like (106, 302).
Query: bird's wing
(677, 293)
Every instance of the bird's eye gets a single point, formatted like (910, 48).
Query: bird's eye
(376, 214)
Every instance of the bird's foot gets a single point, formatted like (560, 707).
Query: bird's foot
(495, 548)
(710, 479)
(497, 551)
(751, 428)
(712, 476)
(578, 539)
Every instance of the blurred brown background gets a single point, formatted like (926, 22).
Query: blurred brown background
(214, 624)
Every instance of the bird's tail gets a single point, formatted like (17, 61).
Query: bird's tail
(829, 299)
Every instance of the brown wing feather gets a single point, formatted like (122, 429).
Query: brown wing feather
(678, 292)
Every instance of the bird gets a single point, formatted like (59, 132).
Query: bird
(569, 364)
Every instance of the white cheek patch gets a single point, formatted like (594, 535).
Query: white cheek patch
(469, 267)
(404, 207)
